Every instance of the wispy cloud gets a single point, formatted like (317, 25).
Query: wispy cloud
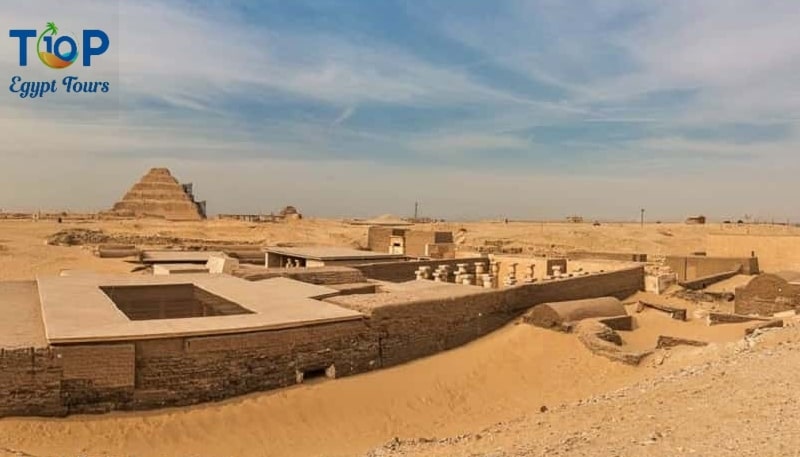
(596, 89)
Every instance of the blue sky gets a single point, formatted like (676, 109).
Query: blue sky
(521, 109)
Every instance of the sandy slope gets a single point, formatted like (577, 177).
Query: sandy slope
(734, 400)
(512, 371)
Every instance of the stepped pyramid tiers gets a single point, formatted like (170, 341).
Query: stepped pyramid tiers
(159, 194)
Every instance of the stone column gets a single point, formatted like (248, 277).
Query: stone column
(462, 270)
(495, 274)
(426, 271)
(529, 277)
(445, 272)
(511, 278)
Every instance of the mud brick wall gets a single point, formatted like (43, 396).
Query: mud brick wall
(96, 377)
(416, 240)
(192, 370)
(425, 327)
(620, 284)
(692, 267)
(619, 256)
(319, 275)
(378, 238)
(404, 271)
(30, 383)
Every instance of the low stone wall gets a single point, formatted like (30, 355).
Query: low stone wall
(689, 268)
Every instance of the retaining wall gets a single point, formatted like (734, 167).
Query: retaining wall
(90, 378)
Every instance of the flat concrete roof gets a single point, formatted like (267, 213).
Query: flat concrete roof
(75, 309)
(21, 322)
(332, 253)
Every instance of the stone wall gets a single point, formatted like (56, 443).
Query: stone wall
(198, 369)
(416, 240)
(378, 238)
(404, 271)
(90, 378)
(424, 327)
(30, 383)
(689, 268)
(96, 377)
(318, 275)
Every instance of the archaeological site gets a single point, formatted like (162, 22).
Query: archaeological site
(202, 320)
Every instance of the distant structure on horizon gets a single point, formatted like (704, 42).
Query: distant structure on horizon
(159, 194)
(696, 220)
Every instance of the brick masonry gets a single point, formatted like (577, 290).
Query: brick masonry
(90, 378)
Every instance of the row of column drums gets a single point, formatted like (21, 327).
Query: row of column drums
(480, 277)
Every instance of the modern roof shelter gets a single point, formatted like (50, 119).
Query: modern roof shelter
(97, 308)
(318, 256)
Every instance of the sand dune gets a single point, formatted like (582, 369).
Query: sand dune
(510, 372)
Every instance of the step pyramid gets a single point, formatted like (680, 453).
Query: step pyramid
(159, 194)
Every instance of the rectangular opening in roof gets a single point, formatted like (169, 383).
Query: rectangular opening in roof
(169, 301)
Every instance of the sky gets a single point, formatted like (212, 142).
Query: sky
(521, 109)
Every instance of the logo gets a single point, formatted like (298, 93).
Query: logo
(59, 51)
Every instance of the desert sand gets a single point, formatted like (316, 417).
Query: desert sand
(500, 382)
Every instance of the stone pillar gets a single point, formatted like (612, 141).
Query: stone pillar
(511, 278)
(495, 274)
(557, 271)
(466, 279)
(529, 277)
(426, 271)
(479, 268)
(462, 270)
(437, 276)
(444, 271)
(488, 281)
(419, 274)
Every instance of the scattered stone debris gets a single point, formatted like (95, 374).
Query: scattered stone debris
(672, 341)
(603, 341)
(774, 323)
(77, 237)
(726, 318)
(88, 237)
(559, 315)
(676, 313)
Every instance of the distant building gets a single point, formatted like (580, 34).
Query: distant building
(410, 242)
(321, 256)
(575, 219)
(699, 220)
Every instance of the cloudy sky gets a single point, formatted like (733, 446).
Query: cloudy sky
(520, 109)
